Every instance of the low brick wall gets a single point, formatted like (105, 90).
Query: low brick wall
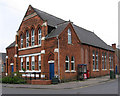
(41, 82)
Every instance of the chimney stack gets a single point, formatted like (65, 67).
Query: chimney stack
(114, 46)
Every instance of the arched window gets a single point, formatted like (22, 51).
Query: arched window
(27, 38)
(93, 60)
(32, 37)
(72, 63)
(102, 60)
(96, 60)
(39, 62)
(69, 36)
(67, 63)
(21, 37)
(39, 36)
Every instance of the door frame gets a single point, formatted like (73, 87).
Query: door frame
(51, 62)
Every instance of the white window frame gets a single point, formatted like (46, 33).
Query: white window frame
(21, 37)
(21, 63)
(67, 62)
(97, 60)
(39, 62)
(69, 36)
(93, 60)
(103, 61)
(27, 38)
(39, 36)
(73, 62)
(110, 61)
(32, 37)
(32, 63)
(27, 62)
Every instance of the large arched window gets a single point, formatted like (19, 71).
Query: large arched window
(67, 63)
(27, 38)
(21, 39)
(32, 37)
(69, 36)
(102, 60)
(96, 59)
(39, 36)
(72, 63)
(105, 61)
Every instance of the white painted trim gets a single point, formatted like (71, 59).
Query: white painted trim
(6, 74)
(30, 55)
(30, 47)
(44, 24)
(6, 57)
(42, 76)
(11, 63)
(93, 69)
(43, 38)
(97, 70)
(67, 70)
(28, 75)
(16, 45)
(42, 51)
(56, 50)
(30, 71)
(51, 61)
(111, 69)
(15, 55)
(73, 71)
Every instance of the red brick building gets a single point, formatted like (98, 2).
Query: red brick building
(51, 47)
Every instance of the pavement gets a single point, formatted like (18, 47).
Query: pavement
(66, 85)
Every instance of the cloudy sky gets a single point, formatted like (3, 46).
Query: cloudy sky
(99, 16)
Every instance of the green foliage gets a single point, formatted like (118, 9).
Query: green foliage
(11, 79)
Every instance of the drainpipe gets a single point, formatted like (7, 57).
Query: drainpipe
(58, 60)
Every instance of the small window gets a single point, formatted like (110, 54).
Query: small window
(32, 38)
(39, 62)
(27, 63)
(93, 60)
(69, 36)
(72, 63)
(96, 60)
(67, 63)
(27, 38)
(33, 63)
(39, 36)
(102, 60)
(21, 41)
(21, 63)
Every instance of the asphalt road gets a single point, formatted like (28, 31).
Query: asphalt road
(110, 87)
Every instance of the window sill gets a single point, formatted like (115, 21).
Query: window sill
(30, 47)
(95, 70)
(104, 69)
(67, 70)
(111, 69)
(73, 71)
(30, 71)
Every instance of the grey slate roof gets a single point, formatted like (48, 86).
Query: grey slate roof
(11, 45)
(51, 20)
(84, 35)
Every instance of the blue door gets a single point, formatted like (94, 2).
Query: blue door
(12, 67)
(116, 69)
(51, 68)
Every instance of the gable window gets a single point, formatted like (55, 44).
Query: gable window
(67, 63)
(69, 36)
(27, 38)
(102, 60)
(21, 37)
(21, 63)
(72, 63)
(27, 63)
(93, 60)
(39, 62)
(105, 62)
(39, 36)
(33, 63)
(32, 37)
(96, 60)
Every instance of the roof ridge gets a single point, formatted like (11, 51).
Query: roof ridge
(62, 23)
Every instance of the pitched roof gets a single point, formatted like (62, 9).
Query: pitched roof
(11, 45)
(51, 20)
